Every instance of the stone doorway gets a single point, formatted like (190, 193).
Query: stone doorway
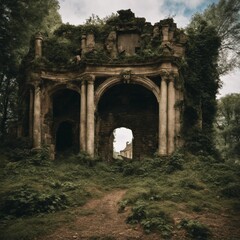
(66, 120)
(64, 137)
(132, 106)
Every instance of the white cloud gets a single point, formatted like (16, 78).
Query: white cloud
(231, 83)
(189, 3)
(122, 135)
(179, 18)
(76, 12)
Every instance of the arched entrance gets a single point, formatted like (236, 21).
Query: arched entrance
(66, 111)
(134, 107)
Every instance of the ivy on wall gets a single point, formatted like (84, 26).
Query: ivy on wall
(61, 48)
(201, 84)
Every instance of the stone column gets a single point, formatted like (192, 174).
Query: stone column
(90, 117)
(83, 44)
(177, 118)
(171, 115)
(83, 117)
(38, 45)
(90, 42)
(37, 118)
(31, 113)
(165, 29)
(163, 118)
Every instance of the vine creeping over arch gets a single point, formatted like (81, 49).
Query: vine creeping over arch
(143, 81)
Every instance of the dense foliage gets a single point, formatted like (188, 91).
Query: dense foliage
(19, 20)
(228, 126)
(224, 16)
(201, 82)
(62, 48)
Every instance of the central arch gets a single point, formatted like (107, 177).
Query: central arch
(143, 81)
(131, 106)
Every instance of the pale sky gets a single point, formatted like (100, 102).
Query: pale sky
(122, 135)
(77, 11)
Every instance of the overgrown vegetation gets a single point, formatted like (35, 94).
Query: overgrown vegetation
(157, 189)
(19, 20)
(62, 48)
(227, 126)
(201, 85)
(195, 229)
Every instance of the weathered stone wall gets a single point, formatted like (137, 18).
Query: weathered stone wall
(131, 106)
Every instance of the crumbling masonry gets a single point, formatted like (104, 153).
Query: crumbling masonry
(77, 108)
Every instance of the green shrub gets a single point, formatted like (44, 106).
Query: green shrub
(12, 143)
(201, 144)
(175, 162)
(190, 183)
(27, 201)
(37, 157)
(139, 213)
(157, 223)
(195, 229)
(19, 154)
(152, 219)
(231, 191)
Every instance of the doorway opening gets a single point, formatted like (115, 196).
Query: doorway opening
(64, 137)
(66, 111)
(122, 143)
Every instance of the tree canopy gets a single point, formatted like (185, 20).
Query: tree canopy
(228, 125)
(224, 16)
(201, 83)
(19, 20)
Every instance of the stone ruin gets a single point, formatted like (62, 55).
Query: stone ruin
(135, 83)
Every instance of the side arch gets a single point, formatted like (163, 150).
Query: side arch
(143, 81)
(62, 86)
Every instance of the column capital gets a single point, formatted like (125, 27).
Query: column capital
(37, 86)
(88, 78)
(83, 82)
(38, 36)
(168, 74)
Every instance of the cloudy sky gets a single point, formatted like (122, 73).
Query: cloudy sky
(77, 11)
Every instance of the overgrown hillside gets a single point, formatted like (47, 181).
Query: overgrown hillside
(178, 197)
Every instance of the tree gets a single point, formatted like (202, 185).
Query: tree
(19, 20)
(224, 16)
(228, 125)
(201, 83)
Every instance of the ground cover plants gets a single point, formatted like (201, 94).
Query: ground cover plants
(172, 197)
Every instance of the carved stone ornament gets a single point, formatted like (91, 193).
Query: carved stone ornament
(126, 76)
(167, 73)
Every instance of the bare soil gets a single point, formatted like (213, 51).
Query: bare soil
(99, 219)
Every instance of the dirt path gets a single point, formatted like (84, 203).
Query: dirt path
(102, 221)
(99, 220)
